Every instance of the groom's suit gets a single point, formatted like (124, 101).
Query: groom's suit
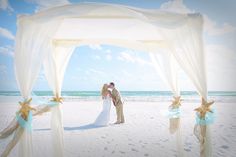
(119, 105)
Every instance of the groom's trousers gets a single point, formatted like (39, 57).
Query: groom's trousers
(119, 113)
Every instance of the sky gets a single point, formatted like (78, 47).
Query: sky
(91, 66)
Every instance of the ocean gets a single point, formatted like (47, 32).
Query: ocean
(219, 96)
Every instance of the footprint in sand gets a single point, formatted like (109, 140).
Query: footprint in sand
(146, 154)
(188, 143)
(225, 139)
(122, 152)
(224, 147)
(134, 150)
(113, 152)
(187, 150)
(103, 137)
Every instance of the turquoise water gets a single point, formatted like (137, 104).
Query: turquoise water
(192, 96)
(123, 93)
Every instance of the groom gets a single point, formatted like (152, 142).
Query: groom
(116, 98)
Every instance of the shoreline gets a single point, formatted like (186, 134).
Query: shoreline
(186, 99)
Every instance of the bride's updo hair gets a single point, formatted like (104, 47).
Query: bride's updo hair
(104, 90)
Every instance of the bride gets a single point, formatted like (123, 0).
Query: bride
(104, 117)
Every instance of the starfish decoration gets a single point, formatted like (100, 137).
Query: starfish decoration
(25, 108)
(204, 108)
(57, 99)
(176, 103)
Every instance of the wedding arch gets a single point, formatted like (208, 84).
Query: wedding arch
(48, 38)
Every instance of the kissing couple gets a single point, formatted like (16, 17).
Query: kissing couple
(110, 95)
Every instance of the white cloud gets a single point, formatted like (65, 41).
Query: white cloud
(221, 57)
(44, 4)
(5, 5)
(221, 67)
(108, 51)
(125, 56)
(6, 33)
(210, 26)
(175, 6)
(108, 57)
(95, 71)
(96, 57)
(7, 50)
(95, 47)
(128, 56)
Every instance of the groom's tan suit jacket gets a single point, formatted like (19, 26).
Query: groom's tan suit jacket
(116, 97)
(118, 104)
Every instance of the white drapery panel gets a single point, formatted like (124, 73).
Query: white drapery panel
(166, 67)
(189, 51)
(55, 65)
(30, 49)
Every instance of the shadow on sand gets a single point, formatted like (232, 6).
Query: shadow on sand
(83, 127)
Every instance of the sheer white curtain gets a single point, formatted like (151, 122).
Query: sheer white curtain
(55, 65)
(32, 41)
(187, 48)
(189, 52)
(166, 66)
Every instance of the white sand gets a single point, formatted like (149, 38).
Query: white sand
(145, 132)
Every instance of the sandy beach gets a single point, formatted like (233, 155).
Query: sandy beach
(145, 132)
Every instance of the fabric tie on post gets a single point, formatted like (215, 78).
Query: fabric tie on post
(174, 114)
(208, 119)
(204, 117)
(57, 126)
(174, 110)
(24, 115)
(204, 109)
(176, 103)
(55, 101)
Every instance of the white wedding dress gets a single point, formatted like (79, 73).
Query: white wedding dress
(104, 117)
